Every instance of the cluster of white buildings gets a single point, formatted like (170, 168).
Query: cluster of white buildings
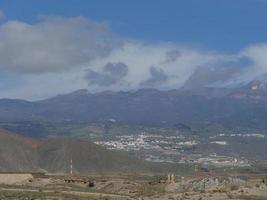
(161, 148)
(217, 161)
(219, 142)
(257, 135)
(147, 142)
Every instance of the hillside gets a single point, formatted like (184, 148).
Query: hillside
(17, 153)
(53, 155)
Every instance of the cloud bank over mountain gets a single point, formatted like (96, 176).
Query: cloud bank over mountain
(58, 54)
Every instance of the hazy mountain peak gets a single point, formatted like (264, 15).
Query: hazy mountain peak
(257, 85)
(80, 92)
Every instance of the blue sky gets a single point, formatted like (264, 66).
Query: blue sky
(227, 25)
(49, 47)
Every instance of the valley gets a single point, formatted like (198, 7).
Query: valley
(133, 100)
(115, 146)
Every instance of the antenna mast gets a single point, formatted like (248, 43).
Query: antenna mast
(71, 167)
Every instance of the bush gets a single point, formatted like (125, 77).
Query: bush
(234, 187)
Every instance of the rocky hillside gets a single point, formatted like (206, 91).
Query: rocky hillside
(19, 153)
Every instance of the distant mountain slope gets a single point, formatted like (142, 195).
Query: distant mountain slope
(255, 90)
(150, 106)
(242, 107)
(17, 110)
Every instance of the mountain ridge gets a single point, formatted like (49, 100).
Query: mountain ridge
(232, 108)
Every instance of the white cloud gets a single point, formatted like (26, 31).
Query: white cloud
(140, 58)
(258, 55)
(56, 54)
(40, 86)
(53, 44)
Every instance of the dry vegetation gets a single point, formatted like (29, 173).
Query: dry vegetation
(127, 187)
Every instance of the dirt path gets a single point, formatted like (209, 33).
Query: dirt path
(75, 193)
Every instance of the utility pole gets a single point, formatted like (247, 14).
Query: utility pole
(71, 167)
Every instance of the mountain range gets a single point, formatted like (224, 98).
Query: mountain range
(245, 106)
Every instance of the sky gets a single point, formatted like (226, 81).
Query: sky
(50, 47)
